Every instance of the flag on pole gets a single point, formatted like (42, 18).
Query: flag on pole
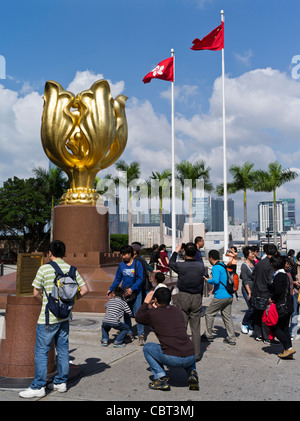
(164, 70)
(213, 41)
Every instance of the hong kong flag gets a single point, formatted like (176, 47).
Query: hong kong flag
(164, 70)
(213, 41)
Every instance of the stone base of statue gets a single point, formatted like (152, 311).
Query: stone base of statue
(85, 231)
(17, 346)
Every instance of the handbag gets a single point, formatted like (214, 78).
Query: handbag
(258, 303)
(270, 316)
(130, 298)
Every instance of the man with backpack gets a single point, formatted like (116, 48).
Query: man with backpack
(56, 329)
(222, 300)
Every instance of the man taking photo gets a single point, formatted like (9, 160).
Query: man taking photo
(190, 281)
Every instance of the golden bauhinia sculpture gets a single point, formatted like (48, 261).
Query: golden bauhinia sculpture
(83, 135)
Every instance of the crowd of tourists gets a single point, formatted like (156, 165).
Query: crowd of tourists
(139, 291)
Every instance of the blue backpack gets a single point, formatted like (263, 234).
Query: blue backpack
(62, 298)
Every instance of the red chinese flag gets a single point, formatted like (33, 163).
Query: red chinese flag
(164, 70)
(213, 41)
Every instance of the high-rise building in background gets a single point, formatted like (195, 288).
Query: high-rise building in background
(289, 214)
(285, 215)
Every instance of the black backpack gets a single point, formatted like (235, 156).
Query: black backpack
(232, 280)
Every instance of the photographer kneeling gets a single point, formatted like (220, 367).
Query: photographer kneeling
(175, 348)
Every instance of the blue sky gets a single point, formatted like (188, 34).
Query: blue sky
(75, 43)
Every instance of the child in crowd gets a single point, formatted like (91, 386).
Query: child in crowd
(159, 278)
(115, 309)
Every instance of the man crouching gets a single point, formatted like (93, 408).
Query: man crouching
(175, 349)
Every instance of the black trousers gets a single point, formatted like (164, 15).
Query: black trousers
(282, 332)
(261, 330)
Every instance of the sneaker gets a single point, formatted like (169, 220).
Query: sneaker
(119, 345)
(141, 340)
(160, 384)
(258, 338)
(60, 387)
(287, 354)
(244, 329)
(104, 343)
(250, 332)
(32, 393)
(193, 381)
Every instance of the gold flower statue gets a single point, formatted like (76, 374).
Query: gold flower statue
(83, 135)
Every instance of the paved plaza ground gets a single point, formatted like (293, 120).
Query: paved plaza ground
(248, 371)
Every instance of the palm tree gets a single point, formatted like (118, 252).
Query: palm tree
(243, 179)
(269, 181)
(55, 185)
(164, 179)
(188, 171)
(54, 181)
(133, 172)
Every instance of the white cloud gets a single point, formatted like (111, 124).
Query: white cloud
(262, 125)
(84, 80)
(245, 58)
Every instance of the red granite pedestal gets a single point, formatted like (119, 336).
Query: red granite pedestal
(17, 348)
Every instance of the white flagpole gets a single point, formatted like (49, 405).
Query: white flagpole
(224, 152)
(173, 159)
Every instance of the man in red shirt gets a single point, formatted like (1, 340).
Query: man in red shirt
(175, 349)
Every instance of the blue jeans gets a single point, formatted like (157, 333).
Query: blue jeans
(44, 337)
(124, 329)
(157, 359)
(134, 308)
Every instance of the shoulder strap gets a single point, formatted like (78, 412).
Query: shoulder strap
(135, 260)
(72, 272)
(223, 265)
(56, 267)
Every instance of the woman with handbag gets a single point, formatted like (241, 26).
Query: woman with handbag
(260, 294)
(280, 290)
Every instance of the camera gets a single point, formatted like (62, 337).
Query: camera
(183, 246)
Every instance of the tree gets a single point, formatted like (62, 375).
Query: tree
(243, 179)
(55, 185)
(24, 211)
(269, 181)
(164, 179)
(54, 182)
(188, 171)
(133, 173)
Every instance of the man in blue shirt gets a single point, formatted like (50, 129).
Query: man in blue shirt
(130, 273)
(222, 300)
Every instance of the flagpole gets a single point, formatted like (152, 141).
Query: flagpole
(173, 158)
(224, 151)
